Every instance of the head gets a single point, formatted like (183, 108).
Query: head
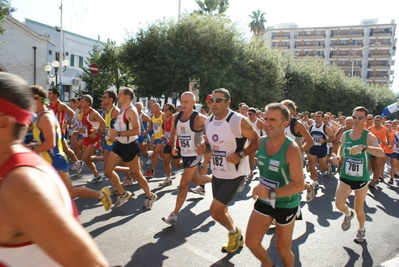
(151, 102)
(313, 116)
(326, 119)
(155, 109)
(369, 119)
(39, 95)
(306, 115)
(395, 124)
(378, 121)
(16, 107)
(53, 94)
(78, 105)
(359, 116)
(139, 107)
(86, 101)
(72, 103)
(178, 108)
(244, 110)
(342, 120)
(277, 117)
(109, 98)
(125, 96)
(388, 125)
(220, 101)
(349, 122)
(340, 114)
(384, 119)
(258, 112)
(291, 106)
(169, 109)
(252, 114)
(187, 100)
(203, 111)
(319, 117)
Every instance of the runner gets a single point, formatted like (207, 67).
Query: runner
(356, 145)
(38, 224)
(277, 195)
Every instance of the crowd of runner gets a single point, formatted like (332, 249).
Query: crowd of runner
(288, 149)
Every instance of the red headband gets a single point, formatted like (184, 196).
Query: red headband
(22, 116)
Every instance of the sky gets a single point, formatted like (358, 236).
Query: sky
(118, 18)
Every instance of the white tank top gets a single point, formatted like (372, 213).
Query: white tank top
(123, 124)
(188, 138)
(225, 138)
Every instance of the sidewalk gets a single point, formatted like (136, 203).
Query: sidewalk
(391, 263)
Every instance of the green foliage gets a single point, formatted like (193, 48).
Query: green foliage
(5, 10)
(212, 6)
(111, 72)
(257, 25)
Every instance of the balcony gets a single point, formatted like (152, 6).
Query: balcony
(312, 36)
(281, 37)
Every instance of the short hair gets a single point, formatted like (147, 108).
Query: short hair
(241, 104)
(55, 91)
(223, 91)
(279, 106)
(251, 109)
(320, 113)
(38, 90)
(88, 99)
(290, 104)
(362, 109)
(15, 90)
(171, 107)
(73, 100)
(111, 94)
(129, 92)
(378, 117)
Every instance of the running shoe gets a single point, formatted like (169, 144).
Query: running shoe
(346, 224)
(250, 176)
(123, 198)
(359, 238)
(329, 171)
(95, 179)
(390, 181)
(128, 181)
(79, 166)
(106, 200)
(242, 185)
(171, 219)
(167, 182)
(198, 190)
(149, 162)
(113, 191)
(149, 174)
(395, 176)
(148, 201)
(373, 185)
(235, 241)
(310, 194)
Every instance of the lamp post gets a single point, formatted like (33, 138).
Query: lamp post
(354, 53)
(56, 65)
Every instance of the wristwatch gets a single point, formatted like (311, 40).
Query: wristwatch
(241, 154)
(272, 194)
(364, 147)
(119, 134)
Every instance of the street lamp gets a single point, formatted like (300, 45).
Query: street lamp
(56, 65)
(354, 53)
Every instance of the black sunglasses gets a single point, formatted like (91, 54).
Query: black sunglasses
(217, 100)
(358, 117)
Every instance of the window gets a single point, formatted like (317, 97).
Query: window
(72, 60)
(80, 62)
(57, 56)
(308, 33)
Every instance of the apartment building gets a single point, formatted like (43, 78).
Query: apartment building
(366, 50)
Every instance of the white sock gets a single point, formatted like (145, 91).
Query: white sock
(233, 231)
(348, 214)
(102, 195)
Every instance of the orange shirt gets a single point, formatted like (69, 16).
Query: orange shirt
(389, 149)
(381, 135)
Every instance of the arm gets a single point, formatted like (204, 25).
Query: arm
(67, 109)
(301, 129)
(41, 200)
(330, 135)
(95, 116)
(47, 126)
(172, 138)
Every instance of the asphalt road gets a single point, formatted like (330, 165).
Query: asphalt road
(132, 236)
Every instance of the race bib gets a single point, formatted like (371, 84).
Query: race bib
(354, 167)
(185, 143)
(316, 139)
(84, 131)
(269, 184)
(219, 161)
(156, 127)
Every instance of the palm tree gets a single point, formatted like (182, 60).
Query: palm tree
(257, 24)
(210, 6)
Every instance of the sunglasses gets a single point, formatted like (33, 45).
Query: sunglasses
(250, 114)
(217, 100)
(358, 117)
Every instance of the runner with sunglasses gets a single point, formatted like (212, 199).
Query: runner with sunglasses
(356, 145)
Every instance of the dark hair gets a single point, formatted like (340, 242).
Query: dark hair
(55, 91)
(38, 90)
(16, 91)
(283, 109)
(361, 108)
(128, 91)
(223, 91)
(111, 94)
(73, 100)
(171, 107)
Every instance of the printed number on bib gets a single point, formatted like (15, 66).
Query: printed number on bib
(219, 160)
(354, 167)
(269, 184)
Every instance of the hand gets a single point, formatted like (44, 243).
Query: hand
(322, 141)
(112, 135)
(174, 152)
(355, 149)
(200, 149)
(260, 192)
(233, 158)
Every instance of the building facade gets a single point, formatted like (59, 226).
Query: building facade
(75, 49)
(366, 50)
(23, 52)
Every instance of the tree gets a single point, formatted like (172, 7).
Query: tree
(209, 48)
(212, 6)
(257, 25)
(5, 10)
(111, 72)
